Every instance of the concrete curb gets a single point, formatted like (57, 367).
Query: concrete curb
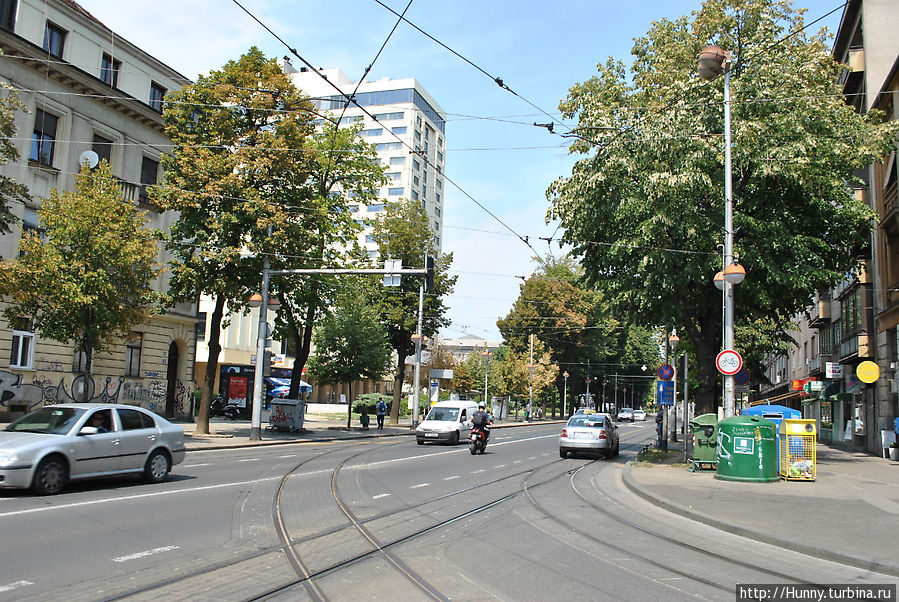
(761, 536)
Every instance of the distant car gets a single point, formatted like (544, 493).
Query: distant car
(53, 445)
(626, 414)
(639, 415)
(589, 434)
(447, 422)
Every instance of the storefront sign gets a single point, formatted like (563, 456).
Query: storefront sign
(868, 372)
(833, 370)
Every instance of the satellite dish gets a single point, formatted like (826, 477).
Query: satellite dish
(90, 157)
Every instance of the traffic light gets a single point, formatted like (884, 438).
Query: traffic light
(429, 275)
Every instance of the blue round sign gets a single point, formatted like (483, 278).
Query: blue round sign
(666, 372)
(742, 377)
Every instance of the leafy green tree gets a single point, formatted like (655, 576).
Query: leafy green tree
(89, 280)
(343, 169)
(9, 189)
(350, 345)
(644, 208)
(402, 232)
(239, 135)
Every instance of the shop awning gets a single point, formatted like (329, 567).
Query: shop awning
(285, 382)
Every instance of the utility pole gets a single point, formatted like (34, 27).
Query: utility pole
(531, 381)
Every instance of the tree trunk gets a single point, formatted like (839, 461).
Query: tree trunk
(349, 406)
(707, 342)
(215, 348)
(302, 338)
(398, 388)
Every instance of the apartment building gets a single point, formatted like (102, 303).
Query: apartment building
(88, 89)
(857, 321)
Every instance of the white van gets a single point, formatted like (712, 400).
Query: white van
(447, 422)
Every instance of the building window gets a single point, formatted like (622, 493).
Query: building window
(149, 172)
(109, 70)
(439, 184)
(8, 14)
(369, 238)
(354, 208)
(22, 353)
(416, 180)
(79, 362)
(201, 326)
(436, 241)
(416, 164)
(414, 196)
(417, 136)
(437, 225)
(393, 176)
(397, 160)
(375, 207)
(387, 146)
(437, 198)
(157, 93)
(372, 132)
(103, 147)
(395, 191)
(132, 354)
(43, 141)
(418, 121)
(54, 40)
(437, 211)
(440, 156)
(373, 253)
(399, 131)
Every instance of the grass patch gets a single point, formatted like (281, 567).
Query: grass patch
(657, 456)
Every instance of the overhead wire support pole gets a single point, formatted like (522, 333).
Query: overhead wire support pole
(262, 335)
(417, 391)
(728, 246)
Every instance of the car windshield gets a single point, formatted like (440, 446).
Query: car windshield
(585, 420)
(443, 414)
(50, 420)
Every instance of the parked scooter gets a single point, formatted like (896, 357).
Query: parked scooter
(477, 441)
(218, 407)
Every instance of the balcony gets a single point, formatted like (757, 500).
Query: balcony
(130, 192)
(819, 313)
(817, 365)
(856, 346)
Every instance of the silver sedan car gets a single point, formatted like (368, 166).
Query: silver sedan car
(593, 434)
(55, 444)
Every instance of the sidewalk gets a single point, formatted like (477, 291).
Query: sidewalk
(849, 514)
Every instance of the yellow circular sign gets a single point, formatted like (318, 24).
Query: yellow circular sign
(867, 372)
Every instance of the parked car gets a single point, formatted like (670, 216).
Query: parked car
(447, 422)
(55, 444)
(626, 414)
(639, 415)
(590, 434)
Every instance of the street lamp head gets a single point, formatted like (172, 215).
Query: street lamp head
(712, 62)
(673, 340)
(273, 303)
(565, 374)
(734, 273)
(719, 281)
(255, 300)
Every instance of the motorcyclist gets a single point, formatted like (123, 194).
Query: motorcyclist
(481, 421)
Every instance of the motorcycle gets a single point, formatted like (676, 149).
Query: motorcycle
(477, 441)
(218, 407)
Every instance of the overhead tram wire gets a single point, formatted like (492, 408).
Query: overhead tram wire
(427, 161)
(497, 80)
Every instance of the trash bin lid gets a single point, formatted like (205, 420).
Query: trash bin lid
(705, 419)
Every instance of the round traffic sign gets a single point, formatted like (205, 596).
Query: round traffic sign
(867, 372)
(666, 372)
(742, 377)
(728, 362)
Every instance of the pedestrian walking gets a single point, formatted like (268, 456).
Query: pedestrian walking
(380, 411)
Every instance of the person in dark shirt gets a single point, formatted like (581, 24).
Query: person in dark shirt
(481, 420)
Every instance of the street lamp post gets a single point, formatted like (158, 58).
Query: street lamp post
(673, 340)
(256, 301)
(713, 61)
(565, 395)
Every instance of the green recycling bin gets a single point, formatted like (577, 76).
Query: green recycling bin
(747, 450)
(705, 440)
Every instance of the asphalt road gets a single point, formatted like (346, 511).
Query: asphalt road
(382, 519)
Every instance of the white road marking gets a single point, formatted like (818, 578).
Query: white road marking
(420, 485)
(380, 495)
(250, 460)
(477, 471)
(532, 458)
(883, 503)
(144, 554)
(500, 466)
(12, 586)
(451, 478)
(287, 456)
(517, 461)
(195, 465)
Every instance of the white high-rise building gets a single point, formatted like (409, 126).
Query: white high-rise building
(408, 131)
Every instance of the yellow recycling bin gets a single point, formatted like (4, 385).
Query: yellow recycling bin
(798, 438)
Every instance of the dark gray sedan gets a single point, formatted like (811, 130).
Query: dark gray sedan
(589, 434)
(55, 444)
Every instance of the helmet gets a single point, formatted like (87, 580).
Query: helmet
(481, 406)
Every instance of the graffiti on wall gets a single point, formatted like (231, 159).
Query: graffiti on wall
(15, 394)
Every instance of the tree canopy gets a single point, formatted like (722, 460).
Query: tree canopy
(88, 278)
(644, 208)
(10, 190)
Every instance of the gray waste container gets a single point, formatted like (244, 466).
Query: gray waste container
(287, 415)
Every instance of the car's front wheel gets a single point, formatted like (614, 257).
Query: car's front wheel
(51, 476)
(157, 467)
(455, 438)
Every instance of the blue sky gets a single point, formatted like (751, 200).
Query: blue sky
(494, 152)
